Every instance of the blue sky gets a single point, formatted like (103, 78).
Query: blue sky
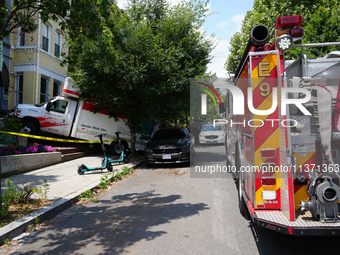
(223, 24)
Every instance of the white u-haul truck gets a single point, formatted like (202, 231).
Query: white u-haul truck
(69, 116)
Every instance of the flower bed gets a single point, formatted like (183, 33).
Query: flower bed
(20, 163)
(15, 150)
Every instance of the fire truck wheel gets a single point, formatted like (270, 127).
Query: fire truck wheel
(241, 203)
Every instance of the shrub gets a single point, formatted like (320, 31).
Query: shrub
(11, 124)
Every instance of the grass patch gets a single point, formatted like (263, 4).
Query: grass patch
(17, 202)
(18, 211)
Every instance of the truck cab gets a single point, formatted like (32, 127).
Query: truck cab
(54, 116)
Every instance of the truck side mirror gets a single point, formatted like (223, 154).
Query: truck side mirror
(48, 106)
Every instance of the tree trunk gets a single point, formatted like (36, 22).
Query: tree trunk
(133, 142)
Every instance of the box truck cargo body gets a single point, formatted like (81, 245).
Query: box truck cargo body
(70, 116)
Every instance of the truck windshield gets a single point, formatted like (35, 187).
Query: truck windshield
(43, 103)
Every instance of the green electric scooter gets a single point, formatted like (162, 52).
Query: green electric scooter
(106, 164)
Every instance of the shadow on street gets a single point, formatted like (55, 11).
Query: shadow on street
(113, 224)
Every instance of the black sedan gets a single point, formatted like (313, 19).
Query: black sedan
(168, 146)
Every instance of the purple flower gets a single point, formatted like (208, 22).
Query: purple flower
(41, 147)
(31, 149)
(6, 152)
(49, 149)
(20, 150)
(9, 150)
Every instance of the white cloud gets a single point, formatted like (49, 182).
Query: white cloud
(220, 55)
(234, 22)
(222, 24)
(237, 20)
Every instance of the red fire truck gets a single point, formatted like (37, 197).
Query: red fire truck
(285, 145)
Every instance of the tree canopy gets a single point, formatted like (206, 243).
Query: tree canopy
(139, 63)
(22, 14)
(71, 15)
(320, 21)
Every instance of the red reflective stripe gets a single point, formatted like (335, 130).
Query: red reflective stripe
(290, 230)
(70, 92)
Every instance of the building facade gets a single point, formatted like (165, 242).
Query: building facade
(4, 74)
(34, 69)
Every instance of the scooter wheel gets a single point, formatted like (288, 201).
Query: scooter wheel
(126, 160)
(80, 170)
(109, 167)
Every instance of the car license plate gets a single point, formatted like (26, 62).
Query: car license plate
(166, 156)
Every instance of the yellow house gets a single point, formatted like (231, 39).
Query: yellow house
(35, 71)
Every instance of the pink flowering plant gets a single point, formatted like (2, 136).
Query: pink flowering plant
(35, 148)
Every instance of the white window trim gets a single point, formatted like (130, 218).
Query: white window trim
(17, 80)
(56, 82)
(19, 38)
(47, 94)
(48, 37)
(61, 43)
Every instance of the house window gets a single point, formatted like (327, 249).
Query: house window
(46, 37)
(56, 88)
(19, 89)
(22, 39)
(57, 47)
(44, 90)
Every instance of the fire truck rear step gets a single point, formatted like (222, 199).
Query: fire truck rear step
(304, 219)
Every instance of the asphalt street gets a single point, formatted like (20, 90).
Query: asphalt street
(166, 210)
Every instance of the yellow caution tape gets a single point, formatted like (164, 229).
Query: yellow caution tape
(55, 139)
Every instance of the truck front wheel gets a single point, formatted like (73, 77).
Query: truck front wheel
(116, 148)
(29, 128)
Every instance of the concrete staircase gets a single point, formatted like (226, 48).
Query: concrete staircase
(69, 153)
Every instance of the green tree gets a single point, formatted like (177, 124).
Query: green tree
(319, 17)
(323, 26)
(138, 65)
(196, 90)
(22, 14)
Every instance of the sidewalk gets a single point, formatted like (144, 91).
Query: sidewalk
(65, 185)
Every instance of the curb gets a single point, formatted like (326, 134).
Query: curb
(20, 226)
